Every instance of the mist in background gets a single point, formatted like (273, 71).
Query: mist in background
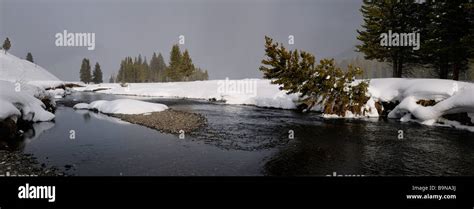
(225, 37)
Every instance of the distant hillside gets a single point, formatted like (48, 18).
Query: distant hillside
(13, 68)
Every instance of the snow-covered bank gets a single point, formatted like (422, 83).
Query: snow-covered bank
(450, 96)
(122, 106)
(397, 89)
(22, 90)
(24, 104)
(262, 92)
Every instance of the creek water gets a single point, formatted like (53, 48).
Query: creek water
(243, 140)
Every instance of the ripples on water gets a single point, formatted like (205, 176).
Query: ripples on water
(246, 140)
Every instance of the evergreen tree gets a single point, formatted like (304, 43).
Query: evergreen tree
(120, 75)
(6, 45)
(112, 79)
(198, 75)
(205, 76)
(129, 74)
(85, 72)
(157, 68)
(123, 74)
(144, 71)
(384, 16)
(174, 68)
(187, 66)
(154, 67)
(161, 68)
(29, 57)
(449, 39)
(139, 70)
(323, 83)
(471, 71)
(97, 74)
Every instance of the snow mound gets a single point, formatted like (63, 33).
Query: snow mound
(397, 89)
(57, 93)
(122, 106)
(451, 97)
(458, 103)
(15, 69)
(24, 104)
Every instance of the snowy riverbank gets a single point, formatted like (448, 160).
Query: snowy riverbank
(28, 91)
(23, 92)
(449, 96)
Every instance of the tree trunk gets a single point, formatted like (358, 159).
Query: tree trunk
(455, 72)
(400, 68)
(394, 68)
(443, 71)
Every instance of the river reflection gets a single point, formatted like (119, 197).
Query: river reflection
(25, 134)
(243, 140)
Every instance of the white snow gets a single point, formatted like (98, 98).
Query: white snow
(23, 104)
(57, 93)
(452, 96)
(370, 107)
(471, 115)
(122, 106)
(396, 89)
(81, 106)
(19, 70)
(262, 93)
(458, 103)
(22, 85)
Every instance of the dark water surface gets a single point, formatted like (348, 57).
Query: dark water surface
(245, 140)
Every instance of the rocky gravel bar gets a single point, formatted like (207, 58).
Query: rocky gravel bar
(168, 121)
(14, 163)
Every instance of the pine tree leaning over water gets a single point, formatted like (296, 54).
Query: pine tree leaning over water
(323, 83)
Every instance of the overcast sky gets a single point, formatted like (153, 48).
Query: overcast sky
(226, 37)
